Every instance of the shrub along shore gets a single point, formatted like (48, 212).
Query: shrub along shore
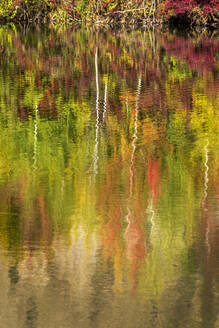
(112, 13)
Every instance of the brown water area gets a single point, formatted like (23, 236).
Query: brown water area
(109, 175)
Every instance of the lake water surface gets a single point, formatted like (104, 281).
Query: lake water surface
(109, 179)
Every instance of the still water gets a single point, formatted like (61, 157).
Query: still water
(109, 175)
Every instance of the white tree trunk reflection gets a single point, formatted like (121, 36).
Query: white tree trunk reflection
(96, 147)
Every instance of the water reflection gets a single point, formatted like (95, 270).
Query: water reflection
(97, 115)
(35, 142)
(108, 179)
(133, 233)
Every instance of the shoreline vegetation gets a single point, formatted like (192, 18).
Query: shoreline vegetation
(112, 13)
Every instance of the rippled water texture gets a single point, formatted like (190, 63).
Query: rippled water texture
(109, 175)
